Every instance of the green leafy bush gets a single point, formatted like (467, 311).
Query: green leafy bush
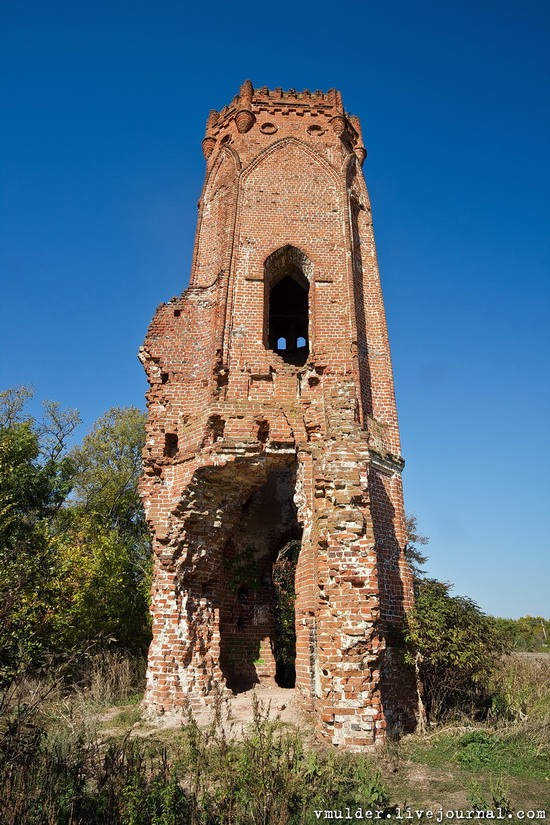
(476, 749)
(455, 647)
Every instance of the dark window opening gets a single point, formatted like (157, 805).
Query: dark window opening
(263, 431)
(170, 445)
(177, 313)
(288, 320)
(216, 425)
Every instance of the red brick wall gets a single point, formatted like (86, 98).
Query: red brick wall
(284, 194)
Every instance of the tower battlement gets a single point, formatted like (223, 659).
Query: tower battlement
(269, 115)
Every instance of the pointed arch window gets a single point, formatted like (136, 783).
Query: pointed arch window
(287, 297)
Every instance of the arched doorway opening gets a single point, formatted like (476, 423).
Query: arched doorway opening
(257, 587)
(284, 583)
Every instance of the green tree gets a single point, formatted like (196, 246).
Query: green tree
(453, 645)
(34, 482)
(104, 544)
(529, 633)
(416, 558)
(74, 550)
(455, 648)
(103, 589)
(284, 582)
(36, 474)
(106, 470)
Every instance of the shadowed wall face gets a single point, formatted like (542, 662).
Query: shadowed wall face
(272, 429)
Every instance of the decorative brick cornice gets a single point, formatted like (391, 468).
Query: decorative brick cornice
(325, 109)
(386, 463)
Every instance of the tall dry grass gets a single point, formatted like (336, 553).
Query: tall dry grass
(55, 769)
(521, 699)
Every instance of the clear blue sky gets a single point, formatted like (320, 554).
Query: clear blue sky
(104, 109)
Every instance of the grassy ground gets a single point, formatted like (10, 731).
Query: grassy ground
(504, 761)
(486, 766)
(88, 757)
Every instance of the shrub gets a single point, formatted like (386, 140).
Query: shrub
(455, 647)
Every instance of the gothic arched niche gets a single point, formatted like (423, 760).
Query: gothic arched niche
(216, 221)
(287, 304)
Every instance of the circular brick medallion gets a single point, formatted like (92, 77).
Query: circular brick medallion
(315, 130)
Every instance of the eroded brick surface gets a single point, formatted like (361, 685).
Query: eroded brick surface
(251, 445)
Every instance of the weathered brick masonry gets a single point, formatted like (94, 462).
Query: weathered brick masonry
(272, 419)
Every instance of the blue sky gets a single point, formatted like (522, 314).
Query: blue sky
(101, 170)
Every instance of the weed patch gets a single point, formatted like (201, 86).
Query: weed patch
(477, 750)
(66, 777)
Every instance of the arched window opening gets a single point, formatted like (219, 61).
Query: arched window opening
(288, 319)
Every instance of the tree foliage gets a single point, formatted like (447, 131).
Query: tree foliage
(456, 647)
(452, 643)
(74, 551)
(106, 469)
(414, 555)
(284, 582)
(527, 634)
(104, 546)
(33, 486)
(104, 588)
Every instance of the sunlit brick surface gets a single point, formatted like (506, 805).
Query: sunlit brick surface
(249, 448)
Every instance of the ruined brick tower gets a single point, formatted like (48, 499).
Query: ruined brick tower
(272, 426)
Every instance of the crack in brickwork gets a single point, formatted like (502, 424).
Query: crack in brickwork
(246, 450)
